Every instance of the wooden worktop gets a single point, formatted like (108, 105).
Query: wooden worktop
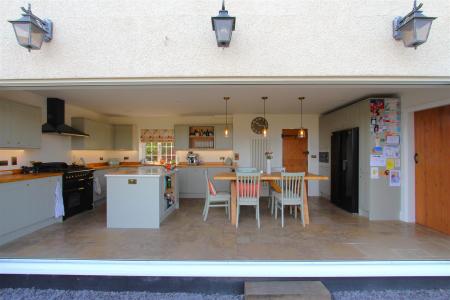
(105, 165)
(22, 177)
(206, 165)
(264, 176)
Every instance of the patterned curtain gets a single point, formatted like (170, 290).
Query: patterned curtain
(156, 135)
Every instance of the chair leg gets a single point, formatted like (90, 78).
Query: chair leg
(276, 210)
(237, 216)
(229, 210)
(282, 216)
(204, 207)
(257, 215)
(272, 205)
(295, 211)
(206, 212)
(302, 215)
(290, 209)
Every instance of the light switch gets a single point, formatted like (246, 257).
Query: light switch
(14, 160)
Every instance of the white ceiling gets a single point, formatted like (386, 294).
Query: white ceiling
(188, 100)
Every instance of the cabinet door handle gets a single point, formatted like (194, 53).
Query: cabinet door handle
(81, 188)
(416, 158)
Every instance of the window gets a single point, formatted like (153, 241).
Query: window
(156, 151)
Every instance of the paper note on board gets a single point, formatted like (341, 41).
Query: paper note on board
(397, 163)
(390, 163)
(394, 178)
(391, 151)
(377, 160)
(374, 173)
(392, 139)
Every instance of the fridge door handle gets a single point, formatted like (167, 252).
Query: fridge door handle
(344, 165)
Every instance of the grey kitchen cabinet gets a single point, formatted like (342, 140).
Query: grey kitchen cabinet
(123, 137)
(221, 142)
(100, 135)
(181, 133)
(221, 185)
(26, 206)
(20, 125)
(192, 182)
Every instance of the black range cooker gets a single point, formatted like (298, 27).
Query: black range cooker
(77, 185)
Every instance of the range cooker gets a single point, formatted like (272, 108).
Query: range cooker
(77, 185)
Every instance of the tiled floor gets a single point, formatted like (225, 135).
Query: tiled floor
(332, 235)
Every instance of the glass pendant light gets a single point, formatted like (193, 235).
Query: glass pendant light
(301, 132)
(226, 133)
(266, 127)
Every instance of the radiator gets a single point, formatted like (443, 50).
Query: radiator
(259, 147)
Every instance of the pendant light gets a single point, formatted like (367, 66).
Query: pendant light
(226, 133)
(301, 132)
(266, 127)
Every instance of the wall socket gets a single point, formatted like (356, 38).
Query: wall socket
(3, 162)
(126, 158)
(236, 156)
(101, 157)
(14, 160)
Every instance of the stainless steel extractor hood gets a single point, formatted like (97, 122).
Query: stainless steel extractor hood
(55, 119)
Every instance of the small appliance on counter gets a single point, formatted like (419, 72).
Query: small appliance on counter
(114, 162)
(192, 158)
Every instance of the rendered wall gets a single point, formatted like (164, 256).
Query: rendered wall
(174, 38)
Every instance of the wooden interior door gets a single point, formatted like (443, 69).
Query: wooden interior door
(432, 145)
(295, 151)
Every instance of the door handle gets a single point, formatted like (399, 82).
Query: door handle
(81, 188)
(416, 158)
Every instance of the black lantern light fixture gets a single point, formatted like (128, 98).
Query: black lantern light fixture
(413, 28)
(223, 25)
(266, 125)
(227, 132)
(31, 31)
(301, 132)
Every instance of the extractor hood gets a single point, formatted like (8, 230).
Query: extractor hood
(56, 117)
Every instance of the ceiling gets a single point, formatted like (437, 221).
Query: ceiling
(188, 100)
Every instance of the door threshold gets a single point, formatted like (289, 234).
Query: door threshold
(273, 269)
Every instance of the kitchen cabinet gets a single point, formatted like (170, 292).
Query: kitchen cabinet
(100, 135)
(26, 206)
(192, 182)
(181, 133)
(221, 142)
(123, 136)
(20, 125)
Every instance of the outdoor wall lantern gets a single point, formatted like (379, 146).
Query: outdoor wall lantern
(31, 31)
(413, 28)
(223, 25)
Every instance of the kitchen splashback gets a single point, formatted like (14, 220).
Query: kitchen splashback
(206, 156)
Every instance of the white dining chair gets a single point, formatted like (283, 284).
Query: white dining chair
(271, 202)
(220, 199)
(248, 186)
(291, 194)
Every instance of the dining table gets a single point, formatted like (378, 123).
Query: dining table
(274, 176)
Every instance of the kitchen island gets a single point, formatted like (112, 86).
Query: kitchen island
(140, 197)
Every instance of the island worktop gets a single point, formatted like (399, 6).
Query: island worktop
(141, 172)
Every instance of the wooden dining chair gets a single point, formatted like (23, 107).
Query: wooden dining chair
(248, 189)
(215, 199)
(291, 194)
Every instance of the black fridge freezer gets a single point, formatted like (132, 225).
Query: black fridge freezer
(345, 169)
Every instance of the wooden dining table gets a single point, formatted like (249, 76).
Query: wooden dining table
(231, 176)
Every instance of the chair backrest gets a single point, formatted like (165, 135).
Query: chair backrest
(246, 170)
(292, 185)
(248, 185)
